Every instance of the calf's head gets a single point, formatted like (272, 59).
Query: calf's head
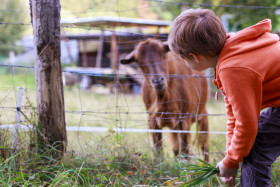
(150, 56)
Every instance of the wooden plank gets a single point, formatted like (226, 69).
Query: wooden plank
(114, 52)
(84, 54)
(100, 50)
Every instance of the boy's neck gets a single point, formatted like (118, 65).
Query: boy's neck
(214, 61)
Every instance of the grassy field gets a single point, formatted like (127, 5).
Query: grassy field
(99, 158)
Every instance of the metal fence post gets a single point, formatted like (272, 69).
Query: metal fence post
(17, 119)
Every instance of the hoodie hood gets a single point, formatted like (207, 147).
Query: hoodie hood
(248, 39)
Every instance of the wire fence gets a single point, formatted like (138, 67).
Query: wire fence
(98, 112)
(100, 106)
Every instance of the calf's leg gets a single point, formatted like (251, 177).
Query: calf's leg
(157, 137)
(175, 143)
(204, 137)
(185, 137)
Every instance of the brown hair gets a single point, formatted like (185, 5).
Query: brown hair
(197, 31)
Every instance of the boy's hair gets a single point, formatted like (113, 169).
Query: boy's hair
(197, 31)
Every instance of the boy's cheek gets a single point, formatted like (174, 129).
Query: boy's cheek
(191, 65)
(188, 64)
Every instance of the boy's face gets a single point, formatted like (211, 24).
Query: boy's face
(200, 62)
(193, 64)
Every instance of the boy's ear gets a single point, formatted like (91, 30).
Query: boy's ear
(196, 57)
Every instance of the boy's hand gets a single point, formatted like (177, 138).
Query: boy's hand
(230, 181)
(226, 172)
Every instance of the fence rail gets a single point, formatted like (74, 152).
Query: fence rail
(105, 129)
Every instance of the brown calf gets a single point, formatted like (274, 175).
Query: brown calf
(172, 96)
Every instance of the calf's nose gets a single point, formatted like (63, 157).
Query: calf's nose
(158, 80)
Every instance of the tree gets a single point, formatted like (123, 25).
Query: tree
(12, 11)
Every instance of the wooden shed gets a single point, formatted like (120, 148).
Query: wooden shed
(94, 48)
(112, 39)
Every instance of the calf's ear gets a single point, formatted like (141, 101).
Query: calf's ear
(166, 46)
(129, 58)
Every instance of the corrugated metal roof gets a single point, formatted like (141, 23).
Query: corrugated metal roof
(118, 34)
(114, 22)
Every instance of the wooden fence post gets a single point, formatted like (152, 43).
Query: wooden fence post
(114, 52)
(45, 16)
(100, 50)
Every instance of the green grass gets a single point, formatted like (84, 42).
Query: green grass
(199, 171)
(12, 79)
(94, 158)
(111, 163)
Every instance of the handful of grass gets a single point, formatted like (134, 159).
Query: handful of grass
(199, 171)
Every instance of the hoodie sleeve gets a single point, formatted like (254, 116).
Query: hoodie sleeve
(230, 122)
(243, 91)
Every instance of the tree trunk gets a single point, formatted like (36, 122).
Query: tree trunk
(45, 16)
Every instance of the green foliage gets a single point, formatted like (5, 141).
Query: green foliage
(112, 162)
(243, 16)
(199, 171)
(276, 172)
(167, 11)
(25, 79)
(12, 11)
(86, 8)
(118, 166)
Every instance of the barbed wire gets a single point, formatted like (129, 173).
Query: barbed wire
(16, 66)
(212, 5)
(160, 36)
(11, 23)
(97, 73)
(16, 46)
(118, 112)
(130, 43)
(159, 1)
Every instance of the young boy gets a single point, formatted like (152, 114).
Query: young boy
(247, 72)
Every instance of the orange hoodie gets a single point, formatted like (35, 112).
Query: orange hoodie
(248, 75)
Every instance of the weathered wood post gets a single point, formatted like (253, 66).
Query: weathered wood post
(45, 16)
(114, 52)
(100, 50)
